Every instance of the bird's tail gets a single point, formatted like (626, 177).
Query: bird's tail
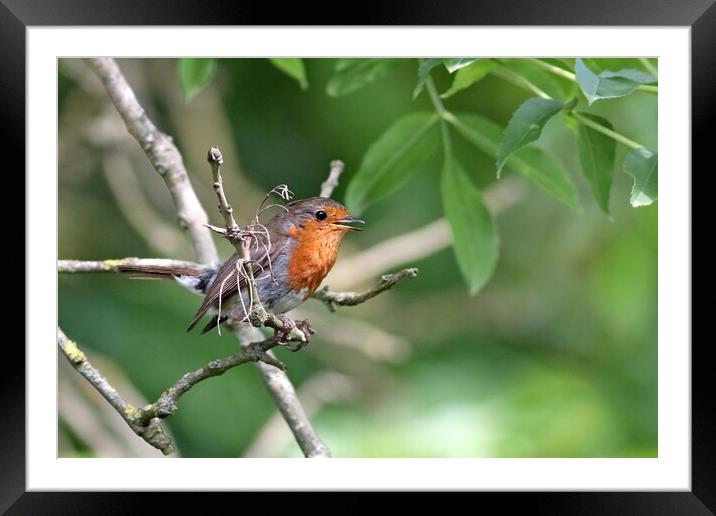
(158, 271)
(196, 279)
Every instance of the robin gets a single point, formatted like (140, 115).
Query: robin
(290, 257)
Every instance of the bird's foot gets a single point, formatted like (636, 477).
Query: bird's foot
(288, 325)
(305, 327)
(284, 334)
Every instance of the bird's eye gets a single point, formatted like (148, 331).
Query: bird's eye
(321, 215)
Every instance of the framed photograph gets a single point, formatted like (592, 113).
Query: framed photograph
(516, 315)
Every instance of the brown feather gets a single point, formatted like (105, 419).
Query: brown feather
(227, 275)
(319, 243)
(215, 321)
(158, 271)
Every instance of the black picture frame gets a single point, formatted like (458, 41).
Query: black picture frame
(700, 15)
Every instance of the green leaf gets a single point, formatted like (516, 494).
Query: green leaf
(475, 239)
(609, 85)
(547, 172)
(352, 74)
(541, 167)
(293, 67)
(451, 65)
(393, 158)
(526, 126)
(643, 166)
(194, 74)
(596, 154)
(454, 64)
(633, 75)
(600, 64)
(423, 73)
(469, 75)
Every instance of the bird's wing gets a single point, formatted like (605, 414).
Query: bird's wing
(225, 283)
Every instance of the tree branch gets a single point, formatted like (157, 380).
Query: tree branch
(287, 401)
(166, 405)
(162, 154)
(167, 161)
(325, 387)
(145, 421)
(355, 298)
(331, 182)
(150, 429)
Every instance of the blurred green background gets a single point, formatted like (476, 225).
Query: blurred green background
(555, 357)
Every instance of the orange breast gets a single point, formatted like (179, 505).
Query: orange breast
(313, 256)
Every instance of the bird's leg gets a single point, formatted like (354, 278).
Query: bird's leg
(288, 324)
(305, 327)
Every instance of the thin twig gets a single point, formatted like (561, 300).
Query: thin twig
(215, 160)
(505, 73)
(331, 182)
(355, 298)
(605, 130)
(166, 405)
(440, 109)
(162, 154)
(257, 314)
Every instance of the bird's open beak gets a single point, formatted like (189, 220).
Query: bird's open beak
(341, 223)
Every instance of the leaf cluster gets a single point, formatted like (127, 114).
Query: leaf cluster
(409, 144)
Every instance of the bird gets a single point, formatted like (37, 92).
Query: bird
(290, 256)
